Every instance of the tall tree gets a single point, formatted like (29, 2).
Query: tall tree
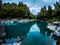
(49, 11)
(0, 4)
(42, 13)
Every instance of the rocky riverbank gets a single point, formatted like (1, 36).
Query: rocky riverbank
(17, 20)
(55, 27)
(2, 34)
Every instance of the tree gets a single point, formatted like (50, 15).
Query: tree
(56, 11)
(42, 13)
(0, 4)
(49, 14)
(13, 10)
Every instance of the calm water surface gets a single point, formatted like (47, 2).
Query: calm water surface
(35, 33)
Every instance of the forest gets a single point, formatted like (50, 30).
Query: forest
(13, 10)
(50, 14)
(21, 11)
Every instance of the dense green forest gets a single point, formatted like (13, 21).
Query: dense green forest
(50, 14)
(13, 10)
(21, 11)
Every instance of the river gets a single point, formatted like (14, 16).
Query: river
(34, 33)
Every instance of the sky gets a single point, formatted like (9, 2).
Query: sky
(34, 5)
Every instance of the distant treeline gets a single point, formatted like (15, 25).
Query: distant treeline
(21, 11)
(50, 14)
(13, 10)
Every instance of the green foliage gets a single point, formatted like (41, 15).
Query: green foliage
(13, 10)
(48, 14)
(42, 13)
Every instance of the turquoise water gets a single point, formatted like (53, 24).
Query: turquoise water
(18, 29)
(35, 33)
(34, 37)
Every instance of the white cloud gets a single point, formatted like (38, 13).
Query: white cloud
(35, 10)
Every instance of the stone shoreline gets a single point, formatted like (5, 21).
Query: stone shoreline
(55, 26)
(17, 20)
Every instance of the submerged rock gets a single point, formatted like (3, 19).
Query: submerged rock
(2, 34)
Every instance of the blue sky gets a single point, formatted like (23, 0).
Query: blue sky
(34, 5)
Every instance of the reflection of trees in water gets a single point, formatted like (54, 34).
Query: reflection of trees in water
(43, 27)
(21, 29)
(37, 38)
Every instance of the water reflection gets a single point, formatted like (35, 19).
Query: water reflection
(43, 27)
(34, 37)
(34, 34)
(18, 29)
